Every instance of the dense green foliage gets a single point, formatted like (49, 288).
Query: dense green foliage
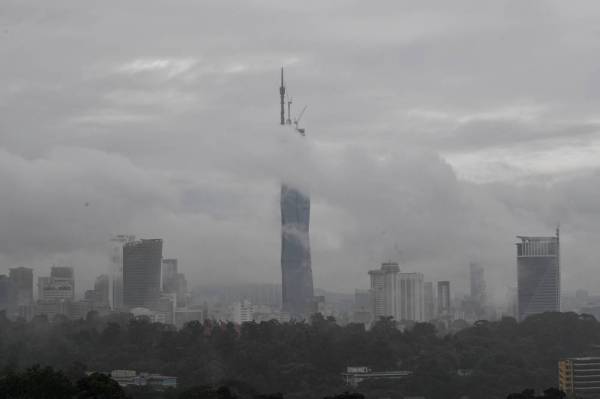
(46, 383)
(550, 393)
(305, 359)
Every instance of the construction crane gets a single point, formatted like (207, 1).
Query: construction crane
(289, 106)
(297, 120)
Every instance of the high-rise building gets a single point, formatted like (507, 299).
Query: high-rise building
(8, 294)
(412, 300)
(443, 297)
(538, 271)
(429, 301)
(384, 290)
(60, 286)
(174, 282)
(242, 312)
(22, 277)
(102, 289)
(116, 269)
(169, 273)
(296, 268)
(141, 273)
(579, 377)
(362, 311)
(477, 283)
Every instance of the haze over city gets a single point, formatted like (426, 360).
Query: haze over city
(436, 133)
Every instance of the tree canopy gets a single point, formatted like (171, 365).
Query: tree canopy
(298, 359)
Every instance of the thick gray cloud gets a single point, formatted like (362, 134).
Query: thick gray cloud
(436, 133)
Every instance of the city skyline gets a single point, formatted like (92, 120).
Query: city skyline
(432, 144)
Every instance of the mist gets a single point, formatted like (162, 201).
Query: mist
(434, 136)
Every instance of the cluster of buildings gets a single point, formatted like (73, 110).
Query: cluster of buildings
(140, 281)
(407, 297)
(144, 283)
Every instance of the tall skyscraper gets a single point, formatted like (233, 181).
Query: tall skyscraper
(174, 282)
(443, 297)
(296, 269)
(385, 292)
(169, 275)
(477, 283)
(116, 269)
(412, 300)
(538, 270)
(22, 277)
(429, 301)
(141, 273)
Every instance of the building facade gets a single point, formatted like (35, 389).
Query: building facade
(22, 277)
(60, 286)
(102, 290)
(579, 377)
(142, 273)
(174, 282)
(538, 275)
(443, 298)
(353, 376)
(428, 301)
(385, 295)
(116, 269)
(169, 272)
(8, 294)
(362, 311)
(477, 280)
(242, 312)
(412, 300)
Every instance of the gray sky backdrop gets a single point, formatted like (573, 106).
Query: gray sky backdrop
(437, 131)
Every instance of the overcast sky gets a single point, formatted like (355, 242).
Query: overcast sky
(436, 132)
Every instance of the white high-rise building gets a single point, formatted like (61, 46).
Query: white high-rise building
(242, 312)
(384, 290)
(411, 299)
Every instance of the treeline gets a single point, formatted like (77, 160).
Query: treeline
(304, 360)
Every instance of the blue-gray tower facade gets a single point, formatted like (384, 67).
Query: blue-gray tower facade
(296, 268)
(538, 270)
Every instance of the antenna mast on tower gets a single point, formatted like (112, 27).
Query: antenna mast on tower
(282, 95)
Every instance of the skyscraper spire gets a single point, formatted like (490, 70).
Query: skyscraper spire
(282, 95)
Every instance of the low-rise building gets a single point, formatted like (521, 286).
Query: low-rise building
(132, 378)
(580, 376)
(355, 375)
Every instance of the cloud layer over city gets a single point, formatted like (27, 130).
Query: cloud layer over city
(436, 133)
